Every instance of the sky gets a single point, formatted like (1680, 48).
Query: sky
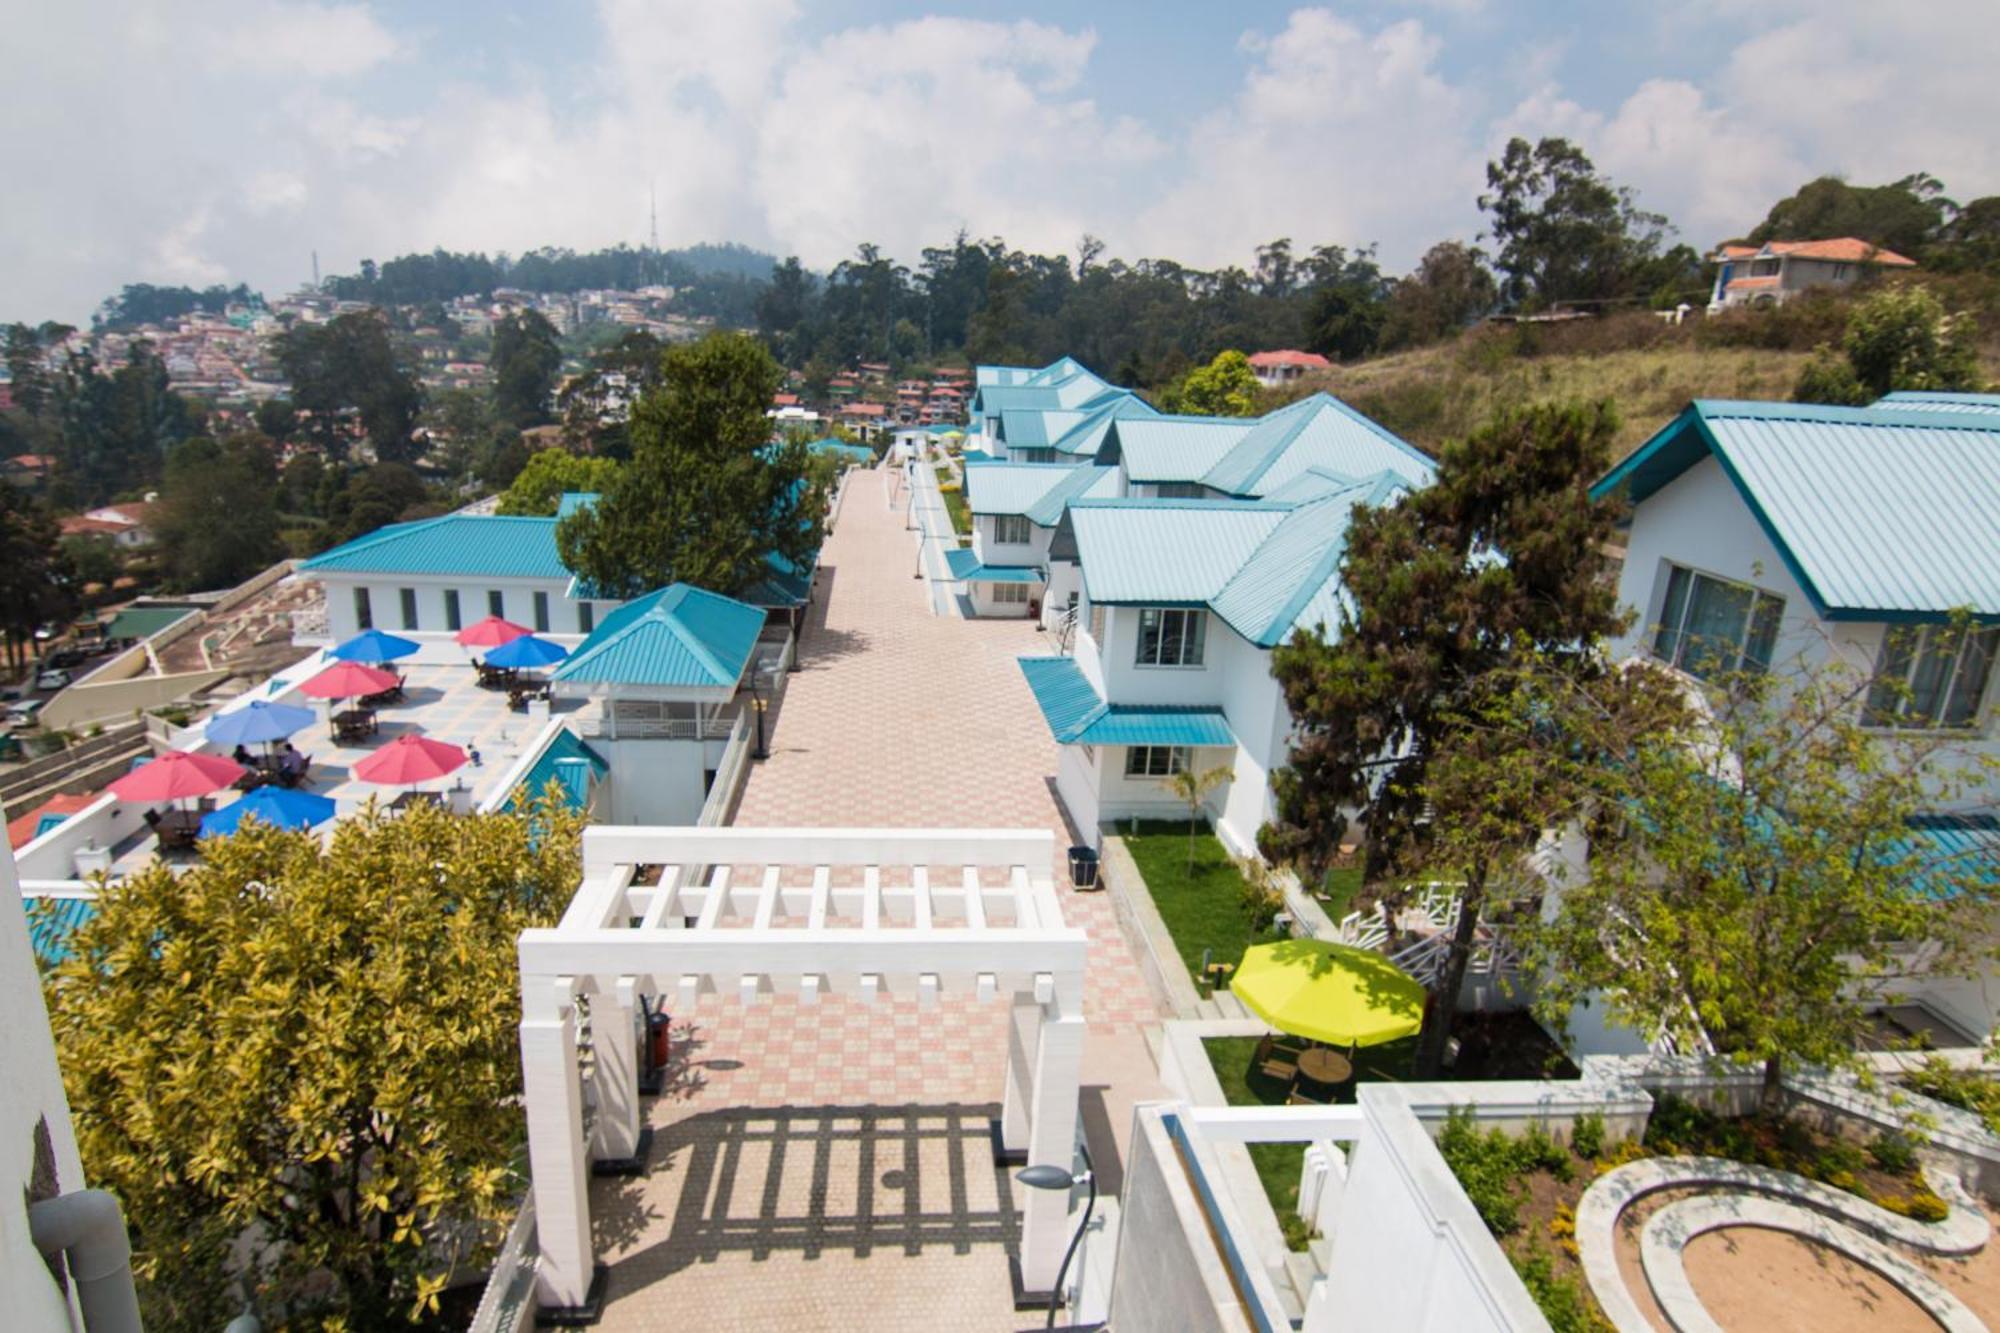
(229, 140)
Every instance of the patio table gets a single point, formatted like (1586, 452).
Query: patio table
(410, 798)
(1323, 1064)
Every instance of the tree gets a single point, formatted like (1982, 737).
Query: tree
(526, 361)
(540, 486)
(315, 1047)
(36, 582)
(237, 478)
(1901, 217)
(1761, 883)
(1192, 786)
(385, 493)
(1346, 302)
(1566, 233)
(276, 418)
(1501, 560)
(349, 370)
(93, 557)
(1899, 338)
(706, 499)
(1225, 387)
(1451, 288)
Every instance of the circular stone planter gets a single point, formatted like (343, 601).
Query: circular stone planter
(1731, 1188)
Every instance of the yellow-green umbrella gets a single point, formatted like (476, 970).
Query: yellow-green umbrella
(1333, 993)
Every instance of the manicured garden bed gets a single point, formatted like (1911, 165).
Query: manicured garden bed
(1205, 908)
(1526, 1187)
(954, 502)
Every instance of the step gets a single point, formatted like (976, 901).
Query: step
(1228, 1006)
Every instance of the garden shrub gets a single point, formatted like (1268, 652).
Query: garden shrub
(1490, 1166)
(1587, 1136)
(1894, 1152)
(1966, 1089)
(1563, 1301)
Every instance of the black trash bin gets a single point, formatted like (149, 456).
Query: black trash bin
(1083, 867)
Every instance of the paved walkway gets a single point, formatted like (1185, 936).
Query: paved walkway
(800, 1142)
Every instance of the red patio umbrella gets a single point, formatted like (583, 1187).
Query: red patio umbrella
(409, 759)
(348, 680)
(490, 633)
(176, 776)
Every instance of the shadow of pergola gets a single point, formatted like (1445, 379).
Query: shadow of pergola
(817, 1180)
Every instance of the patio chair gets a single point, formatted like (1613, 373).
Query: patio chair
(1271, 1063)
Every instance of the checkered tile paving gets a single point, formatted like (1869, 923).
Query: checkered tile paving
(897, 718)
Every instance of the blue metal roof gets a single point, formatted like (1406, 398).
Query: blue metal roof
(1879, 513)
(679, 636)
(572, 501)
(1012, 488)
(858, 453)
(1083, 482)
(1294, 576)
(1319, 431)
(1086, 437)
(570, 763)
(51, 921)
(1162, 552)
(965, 568)
(1174, 449)
(1911, 400)
(1077, 716)
(1955, 844)
(471, 545)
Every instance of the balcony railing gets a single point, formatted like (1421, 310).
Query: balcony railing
(597, 725)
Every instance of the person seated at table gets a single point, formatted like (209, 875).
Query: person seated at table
(241, 755)
(290, 762)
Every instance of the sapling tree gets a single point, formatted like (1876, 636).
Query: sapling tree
(1758, 884)
(1192, 786)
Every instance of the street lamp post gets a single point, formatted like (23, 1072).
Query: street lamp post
(1055, 1178)
(757, 707)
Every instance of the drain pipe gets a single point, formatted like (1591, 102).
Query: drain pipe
(89, 1227)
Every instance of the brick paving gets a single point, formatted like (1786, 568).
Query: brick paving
(827, 1167)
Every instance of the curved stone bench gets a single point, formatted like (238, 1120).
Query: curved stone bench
(1964, 1230)
(1663, 1241)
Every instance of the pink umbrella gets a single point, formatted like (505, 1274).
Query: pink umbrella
(490, 633)
(409, 759)
(348, 680)
(177, 775)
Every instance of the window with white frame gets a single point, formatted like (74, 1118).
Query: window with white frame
(1012, 530)
(1155, 761)
(1014, 593)
(1932, 676)
(1170, 636)
(1709, 626)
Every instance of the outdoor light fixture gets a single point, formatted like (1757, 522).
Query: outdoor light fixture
(1055, 1178)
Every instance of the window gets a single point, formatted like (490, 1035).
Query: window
(1155, 761)
(1089, 756)
(364, 617)
(1933, 676)
(496, 603)
(1840, 272)
(1012, 530)
(586, 617)
(1171, 638)
(541, 613)
(1708, 627)
(451, 616)
(1015, 594)
(1097, 625)
(409, 600)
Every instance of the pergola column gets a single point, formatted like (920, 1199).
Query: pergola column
(1024, 1027)
(552, 1095)
(1051, 1141)
(616, 1132)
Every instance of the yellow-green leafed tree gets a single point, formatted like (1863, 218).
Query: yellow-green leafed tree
(310, 1057)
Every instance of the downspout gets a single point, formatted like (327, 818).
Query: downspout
(89, 1228)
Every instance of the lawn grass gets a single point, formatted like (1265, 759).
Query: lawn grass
(954, 502)
(1203, 908)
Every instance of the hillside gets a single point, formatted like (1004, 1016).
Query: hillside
(1650, 369)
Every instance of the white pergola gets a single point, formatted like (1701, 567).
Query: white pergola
(869, 913)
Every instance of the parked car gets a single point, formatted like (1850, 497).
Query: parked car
(25, 712)
(65, 657)
(52, 680)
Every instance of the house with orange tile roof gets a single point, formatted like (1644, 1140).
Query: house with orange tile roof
(1776, 271)
(1282, 367)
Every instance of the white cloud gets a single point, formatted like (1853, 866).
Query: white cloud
(312, 41)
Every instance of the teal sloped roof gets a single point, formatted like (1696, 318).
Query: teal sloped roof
(572, 501)
(570, 763)
(1025, 429)
(1293, 578)
(1957, 845)
(1162, 552)
(1082, 483)
(965, 568)
(472, 545)
(1174, 449)
(1879, 513)
(858, 453)
(1910, 400)
(679, 636)
(1086, 437)
(1011, 488)
(1077, 716)
(51, 921)
(1316, 432)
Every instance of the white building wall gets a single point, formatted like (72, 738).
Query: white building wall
(655, 781)
(31, 1095)
(385, 602)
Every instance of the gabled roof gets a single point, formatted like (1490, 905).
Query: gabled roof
(1911, 400)
(1084, 482)
(1290, 357)
(1085, 438)
(1293, 578)
(1317, 431)
(1166, 552)
(1879, 513)
(1841, 249)
(472, 545)
(1077, 716)
(679, 636)
(1173, 448)
(1024, 488)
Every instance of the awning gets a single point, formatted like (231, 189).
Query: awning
(1077, 716)
(965, 568)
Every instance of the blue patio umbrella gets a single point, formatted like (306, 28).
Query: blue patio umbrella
(374, 646)
(279, 807)
(258, 721)
(526, 651)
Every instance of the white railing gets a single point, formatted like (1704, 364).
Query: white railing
(728, 776)
(602, 727)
